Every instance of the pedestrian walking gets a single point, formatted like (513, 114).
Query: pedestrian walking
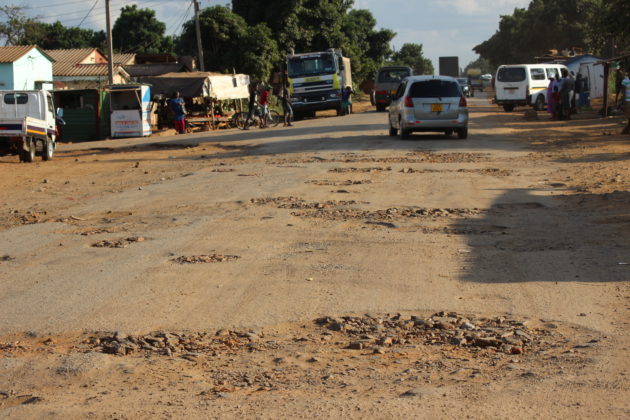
(178, 106)
(286, 103)
(580, 87)
(625, 83)
(253, 92)
(619, 88)
(566, 88)
(346, 101)
(264, 105)
(556, 103)
(552, 83)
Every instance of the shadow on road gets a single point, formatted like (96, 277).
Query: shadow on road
(531, 238)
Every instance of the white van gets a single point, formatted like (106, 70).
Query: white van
(524, 84)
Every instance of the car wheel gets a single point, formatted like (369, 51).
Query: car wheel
(448, 132)
(404, 133)
(462, 133)
(540, 103)
(392, 131)
(48, 149)
(508, 108)
(28, 155)
(380, 108)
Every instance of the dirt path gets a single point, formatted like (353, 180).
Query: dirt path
(324, 271)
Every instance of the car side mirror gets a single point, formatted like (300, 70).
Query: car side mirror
(59, 112)
(60, 121)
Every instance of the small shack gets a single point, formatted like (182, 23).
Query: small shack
(86, 113)
(202, 91)
(131, 110)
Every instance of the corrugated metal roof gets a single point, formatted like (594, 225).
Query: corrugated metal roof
(13, 53)
(138, 70)
(88, 70)
(74, 56)
(125, 58)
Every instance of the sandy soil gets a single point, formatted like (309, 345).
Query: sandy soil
(322, 271)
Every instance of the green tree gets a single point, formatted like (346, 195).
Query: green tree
(482, 64)
(546, 25)
(229, 43)
(138, 30)
(50, 36)
(411, 55)
(14, 25)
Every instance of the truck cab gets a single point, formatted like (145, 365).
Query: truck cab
(27, 121)
(316, 80)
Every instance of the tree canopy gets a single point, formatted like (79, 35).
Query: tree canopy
(558, 24)
(230, 44)
(138, 30)
(412, 55)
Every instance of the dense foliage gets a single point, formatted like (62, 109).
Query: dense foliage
(558, 24)
(138, 30)
(411, 55)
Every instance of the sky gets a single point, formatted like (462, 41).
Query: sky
(443, 27)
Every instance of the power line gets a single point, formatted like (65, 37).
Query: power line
(88, 14)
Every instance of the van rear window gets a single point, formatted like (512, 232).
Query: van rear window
(434, 89)
(15, 98)
(392, 76)
(511, 74)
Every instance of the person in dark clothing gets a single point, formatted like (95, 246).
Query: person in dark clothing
(568, 85)
(178, 106)
(286, 103)
(580, 87)
(253, 92)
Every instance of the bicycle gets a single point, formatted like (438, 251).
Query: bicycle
(273, 118)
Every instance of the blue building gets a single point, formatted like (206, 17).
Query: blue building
(25, 68)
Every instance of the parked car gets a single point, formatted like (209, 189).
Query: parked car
(386, 82)
(524, 84)
(429, 103)
(466, 88)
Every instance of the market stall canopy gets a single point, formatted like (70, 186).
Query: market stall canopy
(200, 84)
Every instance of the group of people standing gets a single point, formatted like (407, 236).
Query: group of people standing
(259, 95)
(562, 92)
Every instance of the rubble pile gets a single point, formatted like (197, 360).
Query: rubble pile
(412, 157)
(204, 259)
(443, 328)
(118, 243)
(345, 183)
(188, 345)
(388, 214)
(362, 170)
(297, 203)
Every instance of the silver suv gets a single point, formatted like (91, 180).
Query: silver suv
(429, 103)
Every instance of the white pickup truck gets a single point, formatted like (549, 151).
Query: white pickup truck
(28, 124)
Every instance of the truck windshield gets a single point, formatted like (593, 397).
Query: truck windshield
(392, 76)
(311, 65)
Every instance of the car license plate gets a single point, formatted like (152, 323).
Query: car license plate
(436, 107)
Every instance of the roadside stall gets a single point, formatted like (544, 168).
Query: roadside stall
(131, 110)
(86, 113)
(210, 97)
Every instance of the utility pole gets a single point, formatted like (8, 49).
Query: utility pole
(198, 30)
(110, 48)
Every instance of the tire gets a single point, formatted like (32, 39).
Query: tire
(273, 119)
(404, 133)
(508, 108)
(462, 133)
(392, 131)
(28, 156)
(48, 149)
(380, 108)
(539, 105)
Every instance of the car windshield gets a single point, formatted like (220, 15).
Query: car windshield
(511, 74)
(434, 89)
(311, 65)
(392, 76)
